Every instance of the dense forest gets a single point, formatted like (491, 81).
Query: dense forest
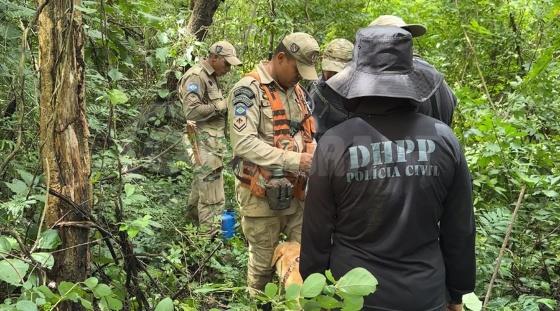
(94, 177)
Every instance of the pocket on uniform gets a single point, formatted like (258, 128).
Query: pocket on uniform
(265, 126)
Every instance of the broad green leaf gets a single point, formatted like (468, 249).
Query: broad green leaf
(328, 302)
(26, 305)
(66, 288)
(102, 290)
(49, 239)
(165, 305)
(46, 292)
(313, 285)
(161, 54)
(5, 246)
(472, 302)
(91, 283)
(115, 74)
(129, 189)
(311, 305)
(94, 33)
(86, 304)
(117, 97)
(13, 271)
(113, 303)
(163, 93)
(479, 28)
(550, 193)
(271, 290)
(330, 276)
(357, 281)
(45, 259)
(329, 290)
(292, 292)
(26, 176)
(352, 302)
(17, 186)
(540, 64)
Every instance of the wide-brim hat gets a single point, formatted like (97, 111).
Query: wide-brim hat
(383, 65)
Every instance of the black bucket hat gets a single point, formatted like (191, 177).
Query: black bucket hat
(382, 65)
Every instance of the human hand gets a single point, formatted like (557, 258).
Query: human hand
(305, 162)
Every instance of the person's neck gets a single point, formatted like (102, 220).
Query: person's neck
(269, 67)
(271, 70)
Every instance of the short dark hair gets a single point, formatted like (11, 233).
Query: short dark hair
(282, 48)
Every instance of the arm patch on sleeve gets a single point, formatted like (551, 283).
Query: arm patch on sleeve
(192, 88)
(242, 99)
(245, 91)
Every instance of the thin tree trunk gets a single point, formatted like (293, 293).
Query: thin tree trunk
(202, 17)
(64, 134)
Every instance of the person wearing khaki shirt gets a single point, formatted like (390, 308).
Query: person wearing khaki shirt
(271, 130)
(205, 110)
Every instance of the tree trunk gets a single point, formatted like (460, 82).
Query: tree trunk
(201, 18)
(64, 135)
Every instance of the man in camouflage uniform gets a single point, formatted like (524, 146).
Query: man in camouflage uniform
(205, 110)
(255, 124)
(329, 105)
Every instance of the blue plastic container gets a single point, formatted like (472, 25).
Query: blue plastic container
(228, 224)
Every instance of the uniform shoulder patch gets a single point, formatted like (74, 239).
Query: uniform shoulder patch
(244, 90)
(192, 87)
(240, 110)
(242, 100)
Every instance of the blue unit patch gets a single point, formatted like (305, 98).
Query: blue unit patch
(240, 110)
(192, 87)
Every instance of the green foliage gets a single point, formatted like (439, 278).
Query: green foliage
(316, 294)
(507, 121)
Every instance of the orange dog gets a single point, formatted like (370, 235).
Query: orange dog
(286, 260)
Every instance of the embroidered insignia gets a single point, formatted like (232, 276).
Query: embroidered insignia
(314, 57)
(294, 48)
(192, 87)
(240, 123)
(244, 91)
(240, 110)
(242, 99)
(219, 49)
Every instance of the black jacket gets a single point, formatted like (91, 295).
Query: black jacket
(329, 106)
(391, 192)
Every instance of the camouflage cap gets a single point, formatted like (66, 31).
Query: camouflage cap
(416, 30)
(337, 54)
(225, 49)
(305, 50)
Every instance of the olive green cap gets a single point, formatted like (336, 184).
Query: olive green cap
(337, 54)
(416, 30)
(305, 50)
(225, 49)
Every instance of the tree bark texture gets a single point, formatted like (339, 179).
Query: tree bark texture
(202, 17)
(64, 134)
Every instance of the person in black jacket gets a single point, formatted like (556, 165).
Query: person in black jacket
(329, 105)
(389, 189)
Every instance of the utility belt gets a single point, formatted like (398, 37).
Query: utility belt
(277, 186)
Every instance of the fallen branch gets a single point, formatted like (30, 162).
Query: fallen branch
(503, 248)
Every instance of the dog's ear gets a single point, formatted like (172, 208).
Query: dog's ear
(278, 252)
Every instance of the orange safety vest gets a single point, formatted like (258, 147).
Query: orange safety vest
(255, 177)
